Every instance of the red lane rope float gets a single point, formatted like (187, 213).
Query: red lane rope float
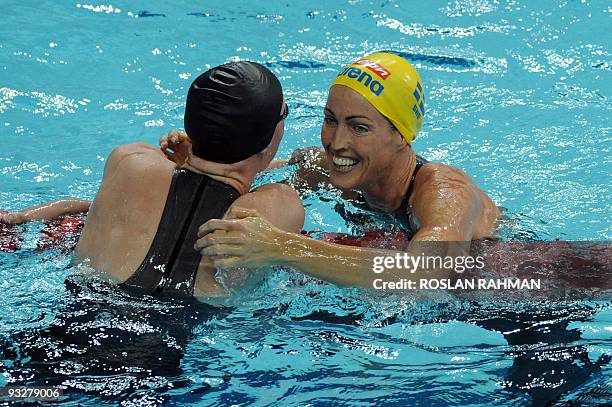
(62, 233)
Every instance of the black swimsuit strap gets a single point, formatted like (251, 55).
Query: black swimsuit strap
(420, 161)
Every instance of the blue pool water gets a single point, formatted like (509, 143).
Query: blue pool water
(518, 96)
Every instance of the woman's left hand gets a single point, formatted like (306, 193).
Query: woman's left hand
(242, 239)
(175, 145)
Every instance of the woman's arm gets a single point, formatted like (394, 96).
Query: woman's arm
(250, 241)
(446, 215)
(46, 211)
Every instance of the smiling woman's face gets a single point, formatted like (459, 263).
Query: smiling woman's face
(360, 143)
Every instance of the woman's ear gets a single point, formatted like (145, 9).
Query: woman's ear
(402, 141)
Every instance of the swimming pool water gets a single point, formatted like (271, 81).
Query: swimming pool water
(517, 95)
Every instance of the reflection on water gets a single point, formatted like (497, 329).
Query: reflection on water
(107, 342)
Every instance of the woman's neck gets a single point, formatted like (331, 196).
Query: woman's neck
(236, 175)
(388, 193)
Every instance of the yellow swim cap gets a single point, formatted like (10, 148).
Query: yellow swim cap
(392, 86)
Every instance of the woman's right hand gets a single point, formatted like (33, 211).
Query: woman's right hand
(241, 239)
(12, 218)
(175, 145)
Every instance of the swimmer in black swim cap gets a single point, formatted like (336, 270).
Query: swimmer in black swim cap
(234, 116)
(144, 220)
(232, 111)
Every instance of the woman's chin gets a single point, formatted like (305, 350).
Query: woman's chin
(343, 181)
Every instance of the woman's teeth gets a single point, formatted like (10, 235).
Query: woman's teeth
(344, 162)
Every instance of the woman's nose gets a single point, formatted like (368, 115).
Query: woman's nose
(341, 139)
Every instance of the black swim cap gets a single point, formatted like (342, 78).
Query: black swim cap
(232, 111)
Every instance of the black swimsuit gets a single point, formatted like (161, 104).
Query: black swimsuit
(171, 264)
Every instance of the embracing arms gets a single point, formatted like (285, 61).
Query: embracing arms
(248, 240)
(446, 206)
(311, 162)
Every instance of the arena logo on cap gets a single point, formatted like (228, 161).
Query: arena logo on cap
(374, 67)
(364, 78)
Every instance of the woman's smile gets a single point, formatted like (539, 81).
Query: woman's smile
(343, 164)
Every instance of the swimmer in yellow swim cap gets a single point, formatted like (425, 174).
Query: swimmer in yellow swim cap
(374, 112)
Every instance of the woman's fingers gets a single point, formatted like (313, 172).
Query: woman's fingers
(172, 139)
(237, 212)
(217, 238)
(222, 250)
(177, 137)
(218, 224)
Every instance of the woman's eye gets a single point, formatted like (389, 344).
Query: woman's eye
(360, 128)
(330, 121)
